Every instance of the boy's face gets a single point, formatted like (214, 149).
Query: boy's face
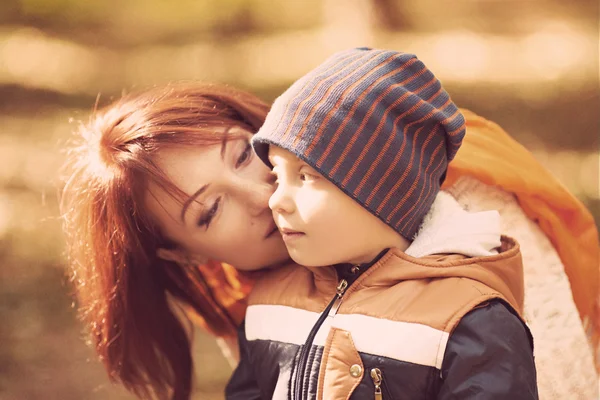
(320, 224)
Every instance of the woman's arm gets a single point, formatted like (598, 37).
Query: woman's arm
(489, 356)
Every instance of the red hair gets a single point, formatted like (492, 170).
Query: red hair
(124, 290)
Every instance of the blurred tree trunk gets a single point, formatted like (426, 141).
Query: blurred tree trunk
(391, 15)
(348, 23)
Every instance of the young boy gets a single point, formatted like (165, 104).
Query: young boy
(424, 299)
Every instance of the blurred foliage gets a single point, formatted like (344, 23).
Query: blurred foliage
(531, 66)
(134, 22)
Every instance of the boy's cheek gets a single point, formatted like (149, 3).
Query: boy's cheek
(312, 205)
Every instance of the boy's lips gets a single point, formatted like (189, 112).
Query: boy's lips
(290, 234)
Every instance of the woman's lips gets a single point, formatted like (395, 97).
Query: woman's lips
(290, 234)
(271, 230)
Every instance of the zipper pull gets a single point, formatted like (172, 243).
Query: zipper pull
(339, 292)
(377, 381)
(341, 288)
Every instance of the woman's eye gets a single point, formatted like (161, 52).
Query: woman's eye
(245, 156)
(207, 217)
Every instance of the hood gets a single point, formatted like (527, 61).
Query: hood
(455, 243)
(502, 272)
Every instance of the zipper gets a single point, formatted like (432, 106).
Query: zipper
(377, 378)
(330, 310)
(337, 300)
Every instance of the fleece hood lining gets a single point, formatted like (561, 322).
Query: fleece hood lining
(449, 229)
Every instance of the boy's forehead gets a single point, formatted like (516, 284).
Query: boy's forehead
(277, 155)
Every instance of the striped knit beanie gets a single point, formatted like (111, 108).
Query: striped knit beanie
(376, 123)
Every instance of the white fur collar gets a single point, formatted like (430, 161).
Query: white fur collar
(449, 229)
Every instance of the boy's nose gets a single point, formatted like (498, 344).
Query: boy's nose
(280, 201)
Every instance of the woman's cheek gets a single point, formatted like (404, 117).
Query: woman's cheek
(231, 236)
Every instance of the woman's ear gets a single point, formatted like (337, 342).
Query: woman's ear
(180, 257)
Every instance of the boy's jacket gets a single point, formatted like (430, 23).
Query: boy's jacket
(440, 326)
(493, 157)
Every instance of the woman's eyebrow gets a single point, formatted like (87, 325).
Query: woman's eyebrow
(191, 199)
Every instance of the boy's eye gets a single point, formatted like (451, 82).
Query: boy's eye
(207, 217)
(273, 180)
(245, 156)
(306, 177)
(303, 177)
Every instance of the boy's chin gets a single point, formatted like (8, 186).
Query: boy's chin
(312, 260)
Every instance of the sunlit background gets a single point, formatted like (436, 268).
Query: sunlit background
(531, 66)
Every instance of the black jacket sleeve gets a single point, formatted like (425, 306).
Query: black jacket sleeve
(242, 385)
(489, 356)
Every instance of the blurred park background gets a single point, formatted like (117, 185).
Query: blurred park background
(531, 66)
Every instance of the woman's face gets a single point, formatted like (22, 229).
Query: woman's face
(225, 215)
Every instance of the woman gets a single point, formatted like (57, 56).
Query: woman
(164, 181)
(134, 248)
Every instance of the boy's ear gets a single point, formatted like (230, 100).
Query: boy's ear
(180, 257)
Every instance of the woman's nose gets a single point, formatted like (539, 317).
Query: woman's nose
(255, 195)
